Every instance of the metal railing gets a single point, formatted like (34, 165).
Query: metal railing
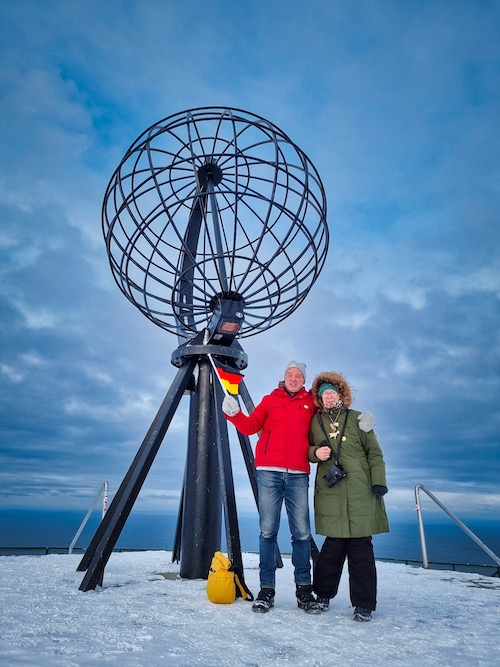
(425, 561)
(104, 490)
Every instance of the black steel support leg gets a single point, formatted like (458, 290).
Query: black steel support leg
(202, 509)
(229, 498)
(106, 536)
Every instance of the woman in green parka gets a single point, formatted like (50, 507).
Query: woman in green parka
(351, 510)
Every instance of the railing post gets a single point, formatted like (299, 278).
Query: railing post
(102, 489)
(423, 545)
(466, 530)
(105, 500)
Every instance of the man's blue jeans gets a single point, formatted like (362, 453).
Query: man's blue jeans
(274, 488)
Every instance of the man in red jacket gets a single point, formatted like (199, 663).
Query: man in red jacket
(282, 463)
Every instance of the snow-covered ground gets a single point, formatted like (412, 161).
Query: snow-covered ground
(145, 615)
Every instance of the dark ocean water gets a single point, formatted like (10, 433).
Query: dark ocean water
(446, 542)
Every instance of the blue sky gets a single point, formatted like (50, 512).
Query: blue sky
(397, 105)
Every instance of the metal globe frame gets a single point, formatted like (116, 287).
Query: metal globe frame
(209, 203)
(215, 228)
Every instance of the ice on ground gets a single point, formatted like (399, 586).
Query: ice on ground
(146, 615)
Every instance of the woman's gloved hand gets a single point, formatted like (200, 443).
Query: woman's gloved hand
(379, 491)
(366, 421)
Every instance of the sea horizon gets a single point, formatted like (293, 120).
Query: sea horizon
(153, 530)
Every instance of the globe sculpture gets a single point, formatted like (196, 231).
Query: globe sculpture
(215, 228)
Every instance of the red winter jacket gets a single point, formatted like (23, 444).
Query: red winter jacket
(284, 421)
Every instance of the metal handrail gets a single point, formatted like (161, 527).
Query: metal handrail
(104, 490)
(425, 561)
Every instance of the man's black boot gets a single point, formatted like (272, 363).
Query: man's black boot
(306, 601)
(264, 601)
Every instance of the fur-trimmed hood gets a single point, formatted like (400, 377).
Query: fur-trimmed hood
(339, 381)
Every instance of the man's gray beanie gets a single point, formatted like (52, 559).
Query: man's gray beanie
(297, 364)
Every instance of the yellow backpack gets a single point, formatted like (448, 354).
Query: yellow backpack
(225, 583)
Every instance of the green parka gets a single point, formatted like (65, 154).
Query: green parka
(349, 508)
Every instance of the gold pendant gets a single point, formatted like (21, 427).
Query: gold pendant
(335, 429)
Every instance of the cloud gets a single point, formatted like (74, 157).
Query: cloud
(397, 110)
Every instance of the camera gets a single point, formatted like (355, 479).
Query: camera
(334, 474)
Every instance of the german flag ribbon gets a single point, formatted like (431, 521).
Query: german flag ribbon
(228, 376)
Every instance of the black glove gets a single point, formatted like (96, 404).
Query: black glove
(379, 491)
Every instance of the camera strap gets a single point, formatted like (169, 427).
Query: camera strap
(328, 440)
